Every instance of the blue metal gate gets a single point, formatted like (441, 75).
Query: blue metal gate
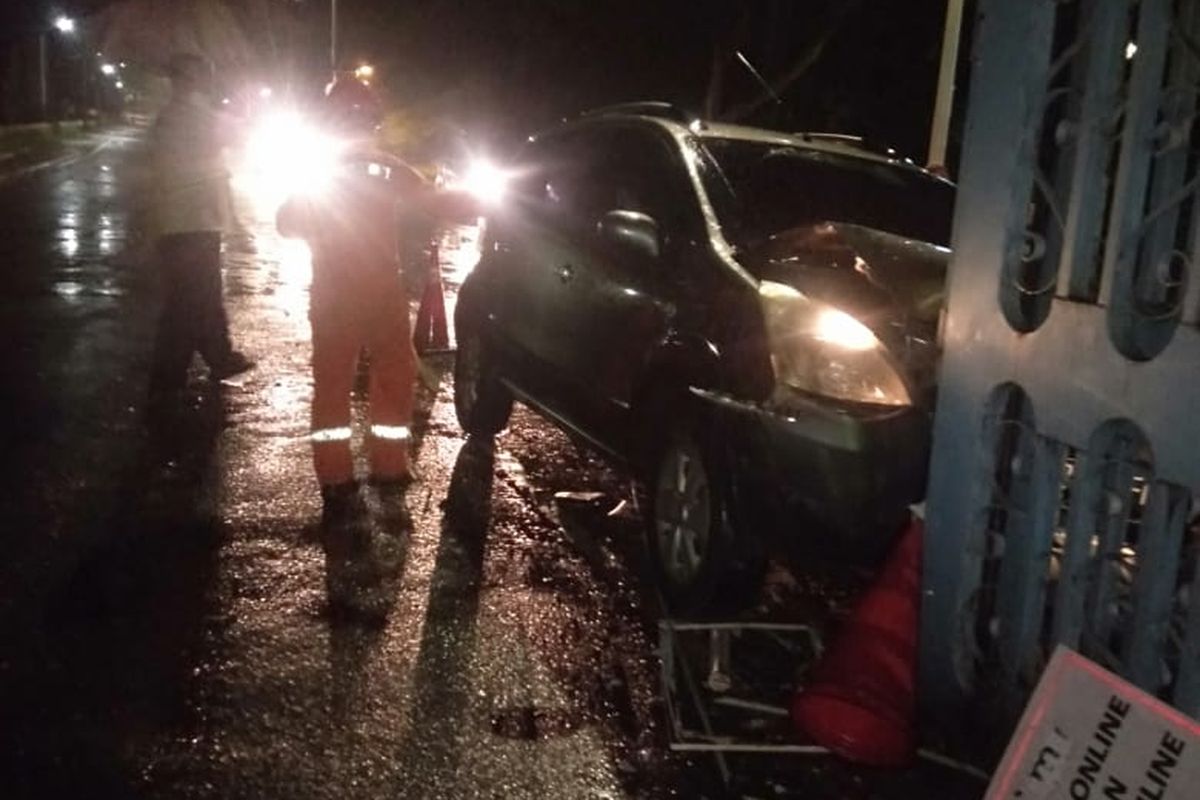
(1067, 443)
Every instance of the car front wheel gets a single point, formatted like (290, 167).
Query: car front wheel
(482, 404)
(690, 531)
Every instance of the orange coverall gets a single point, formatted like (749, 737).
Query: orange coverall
(358, 302)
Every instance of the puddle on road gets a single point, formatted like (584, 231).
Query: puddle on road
(68, 289)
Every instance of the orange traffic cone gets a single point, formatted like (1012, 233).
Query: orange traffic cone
(430, 332)
(861, 699)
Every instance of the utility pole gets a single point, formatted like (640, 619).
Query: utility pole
(65, 26)
(43, 94)
(333, 35)
(944, 105)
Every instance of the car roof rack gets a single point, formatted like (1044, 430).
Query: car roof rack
(838, 138)
(647, 108)
(858, 142)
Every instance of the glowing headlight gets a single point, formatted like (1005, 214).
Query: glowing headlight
(285, 155)
(818, 349)
(486, 181)
(839, 328)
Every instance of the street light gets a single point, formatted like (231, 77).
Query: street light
(66, 26)
(108, 69)
(364, 72)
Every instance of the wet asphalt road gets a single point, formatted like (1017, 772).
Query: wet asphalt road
(164, 617)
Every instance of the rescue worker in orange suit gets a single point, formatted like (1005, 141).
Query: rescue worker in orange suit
(357, 301)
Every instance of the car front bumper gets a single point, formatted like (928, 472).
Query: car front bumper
(851, 470)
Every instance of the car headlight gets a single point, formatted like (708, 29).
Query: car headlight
(286, 155)
(822, 350)
(485, 181)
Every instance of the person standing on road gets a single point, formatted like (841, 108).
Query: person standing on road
(192, 208)
(357, 301)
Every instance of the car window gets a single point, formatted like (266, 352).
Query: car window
(552, 180)
(641, 171)
(577, 177)
(773, 188)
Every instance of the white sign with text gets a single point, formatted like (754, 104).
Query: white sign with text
(1089, 735)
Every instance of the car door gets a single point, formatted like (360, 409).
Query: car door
(618, 303)
(533, 249)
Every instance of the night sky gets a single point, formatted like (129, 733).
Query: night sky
(505, 67)
(540, 60)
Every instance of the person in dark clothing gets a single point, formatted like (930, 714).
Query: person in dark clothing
(192, 209)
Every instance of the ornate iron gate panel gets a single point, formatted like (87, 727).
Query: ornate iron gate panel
(1066, 460)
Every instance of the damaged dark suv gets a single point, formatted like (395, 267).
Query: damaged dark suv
(746, 319)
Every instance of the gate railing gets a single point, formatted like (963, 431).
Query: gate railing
(1067, 443)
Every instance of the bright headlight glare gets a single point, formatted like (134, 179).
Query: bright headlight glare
(286, 155)
(821, 350)
(486, 181)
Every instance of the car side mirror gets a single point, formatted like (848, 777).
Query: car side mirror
(631, 231)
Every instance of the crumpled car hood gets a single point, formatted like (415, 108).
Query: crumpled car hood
(881, 278)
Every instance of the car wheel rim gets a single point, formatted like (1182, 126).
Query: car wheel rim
(684, 514)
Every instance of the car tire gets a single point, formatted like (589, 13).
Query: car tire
(701, 563)
(482, 403)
